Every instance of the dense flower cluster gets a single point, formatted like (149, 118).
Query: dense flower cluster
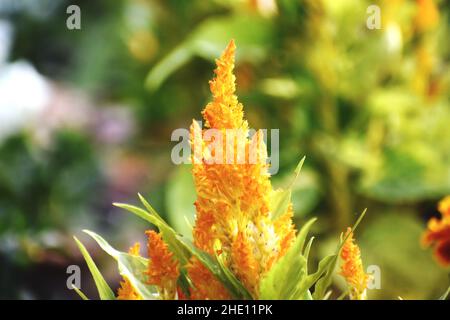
(233, 203)
(234, 216)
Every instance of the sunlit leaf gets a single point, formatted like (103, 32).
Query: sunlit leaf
(183, 249)
(130, 266)
(104, 291)
(180, 198)
(80, 293)
(445, 295)
(280, 199)
(289, 271)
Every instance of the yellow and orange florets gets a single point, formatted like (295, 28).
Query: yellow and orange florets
(163, 269)
(233, 198)
(234, 216)
(352, 269)
(126, 290)
(438, 233)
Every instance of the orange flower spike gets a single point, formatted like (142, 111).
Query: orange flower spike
(438, 233)
(233, 197)
(163, 269)
(126, 290)
(224, 112)
(352, 268)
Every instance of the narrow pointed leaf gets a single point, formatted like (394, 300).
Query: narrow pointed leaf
(445, 295)
(104, 291)
(280, 199)
(80, 293)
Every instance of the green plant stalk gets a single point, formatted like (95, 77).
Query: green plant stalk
(338, 173)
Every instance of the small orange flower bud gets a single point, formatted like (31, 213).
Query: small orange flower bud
(162, 267)
(352, 268)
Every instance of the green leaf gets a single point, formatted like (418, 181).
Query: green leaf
(298, 169)
(130, 266)
(104, 291)
(445, 295)
(306, 193)
(307, 296)
(279, 202)
(169, 235)
(303, 233)
(281, 198)
(180, 196)
(320, 289)
(345, 293)
(184, 282)
(310, 280)
(210, 38)
(283, 279)
(168, 65)
(308, 248)
(139, 212)
(80, 293)
(149, 208)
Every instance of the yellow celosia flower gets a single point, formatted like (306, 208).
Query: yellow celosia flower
(163, 269)
(438, 233)
(233, 198)
(352, 268)
(126, 290)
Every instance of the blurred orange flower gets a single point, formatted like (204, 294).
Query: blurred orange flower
(427, 15)
(438, 233)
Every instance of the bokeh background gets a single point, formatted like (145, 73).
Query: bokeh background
(86, 118)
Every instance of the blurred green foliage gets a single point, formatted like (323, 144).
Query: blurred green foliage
(36, 188)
